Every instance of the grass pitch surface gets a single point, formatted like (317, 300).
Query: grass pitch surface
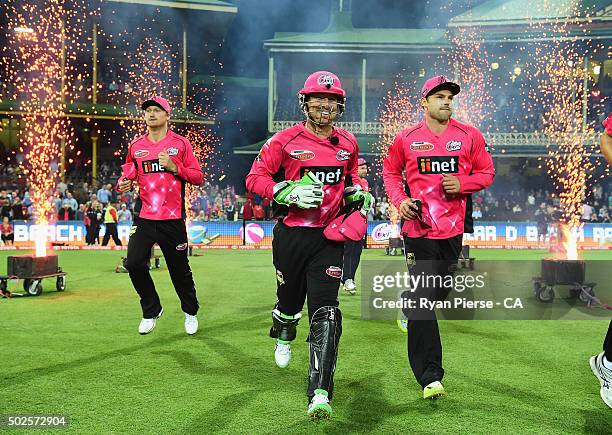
(78, 354)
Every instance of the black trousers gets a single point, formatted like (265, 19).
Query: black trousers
(308, 266)
(171, 236)
(352, 255)
(437, 257)
(607, 347)
(111, 231)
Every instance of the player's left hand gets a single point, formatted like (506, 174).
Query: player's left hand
(451, 184)
(166, 162)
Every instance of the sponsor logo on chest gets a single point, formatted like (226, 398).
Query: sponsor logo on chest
(302, 155)
(152, 166)
(325, 174)
(453, 145)
(438, 164)
(139, 154)
(421, 146)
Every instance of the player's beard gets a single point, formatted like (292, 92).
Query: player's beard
(441, 115)
(316, 116)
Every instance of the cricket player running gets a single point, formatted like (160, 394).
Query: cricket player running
(303, 168)
(601, 364)
(160, 163)
(352, 248)
(444, 160)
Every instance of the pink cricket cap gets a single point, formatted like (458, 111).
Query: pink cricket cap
(437, 83)
(128, 171)
(353, 226)
(361, 161)
(158, 101)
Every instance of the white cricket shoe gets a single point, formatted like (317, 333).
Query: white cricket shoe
(350, 287)
(434, 390)
(147, 325)
(282, 354)
(604, 375)
(191, 324)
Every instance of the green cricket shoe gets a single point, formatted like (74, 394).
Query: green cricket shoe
(434, 390)
(319, 407)
(402, 322)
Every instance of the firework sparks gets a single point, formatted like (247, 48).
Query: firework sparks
(559, 74)
(43, 42)
(154, 68)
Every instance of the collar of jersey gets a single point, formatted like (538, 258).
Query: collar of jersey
(314, 136)
(163, 139)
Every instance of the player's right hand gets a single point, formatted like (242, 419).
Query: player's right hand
(124, 185)
(408, 210)
(299, 193)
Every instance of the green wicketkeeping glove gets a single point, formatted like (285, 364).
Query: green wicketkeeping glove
(355, 193)
(305, 193)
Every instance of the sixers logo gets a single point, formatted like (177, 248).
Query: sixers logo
(173, 151)
(343, 155)
(421, 146)
(325, 80)
(302, 155)
(453, 145)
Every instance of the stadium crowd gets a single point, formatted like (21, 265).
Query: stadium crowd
(77, 200)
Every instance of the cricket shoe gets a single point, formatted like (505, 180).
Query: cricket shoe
(604, 375)
(191, 324)
(434, 390)
(319, 407)
(282, 354)
(350, 287)
(147, 325)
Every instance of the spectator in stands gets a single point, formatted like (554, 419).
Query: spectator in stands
(476, 212)
(80, 213)
(17, 209)
(258, 212)
(124, 214)
(5, 206)
(247, 210)
(8, 237)
(66, 213)
(104, 195)
(70, 201)
(587, 212)
(230, 210)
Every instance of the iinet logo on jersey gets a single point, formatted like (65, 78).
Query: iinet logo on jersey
(325, 174)
(151, 166)
(438, 164)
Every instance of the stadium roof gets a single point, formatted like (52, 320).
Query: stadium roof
(201, 5)
(504, 12)
(341, 36)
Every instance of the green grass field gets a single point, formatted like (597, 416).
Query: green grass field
(78, 353)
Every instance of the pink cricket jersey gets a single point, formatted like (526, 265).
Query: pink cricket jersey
(460, 151)
(162, 192)
(290, 153)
